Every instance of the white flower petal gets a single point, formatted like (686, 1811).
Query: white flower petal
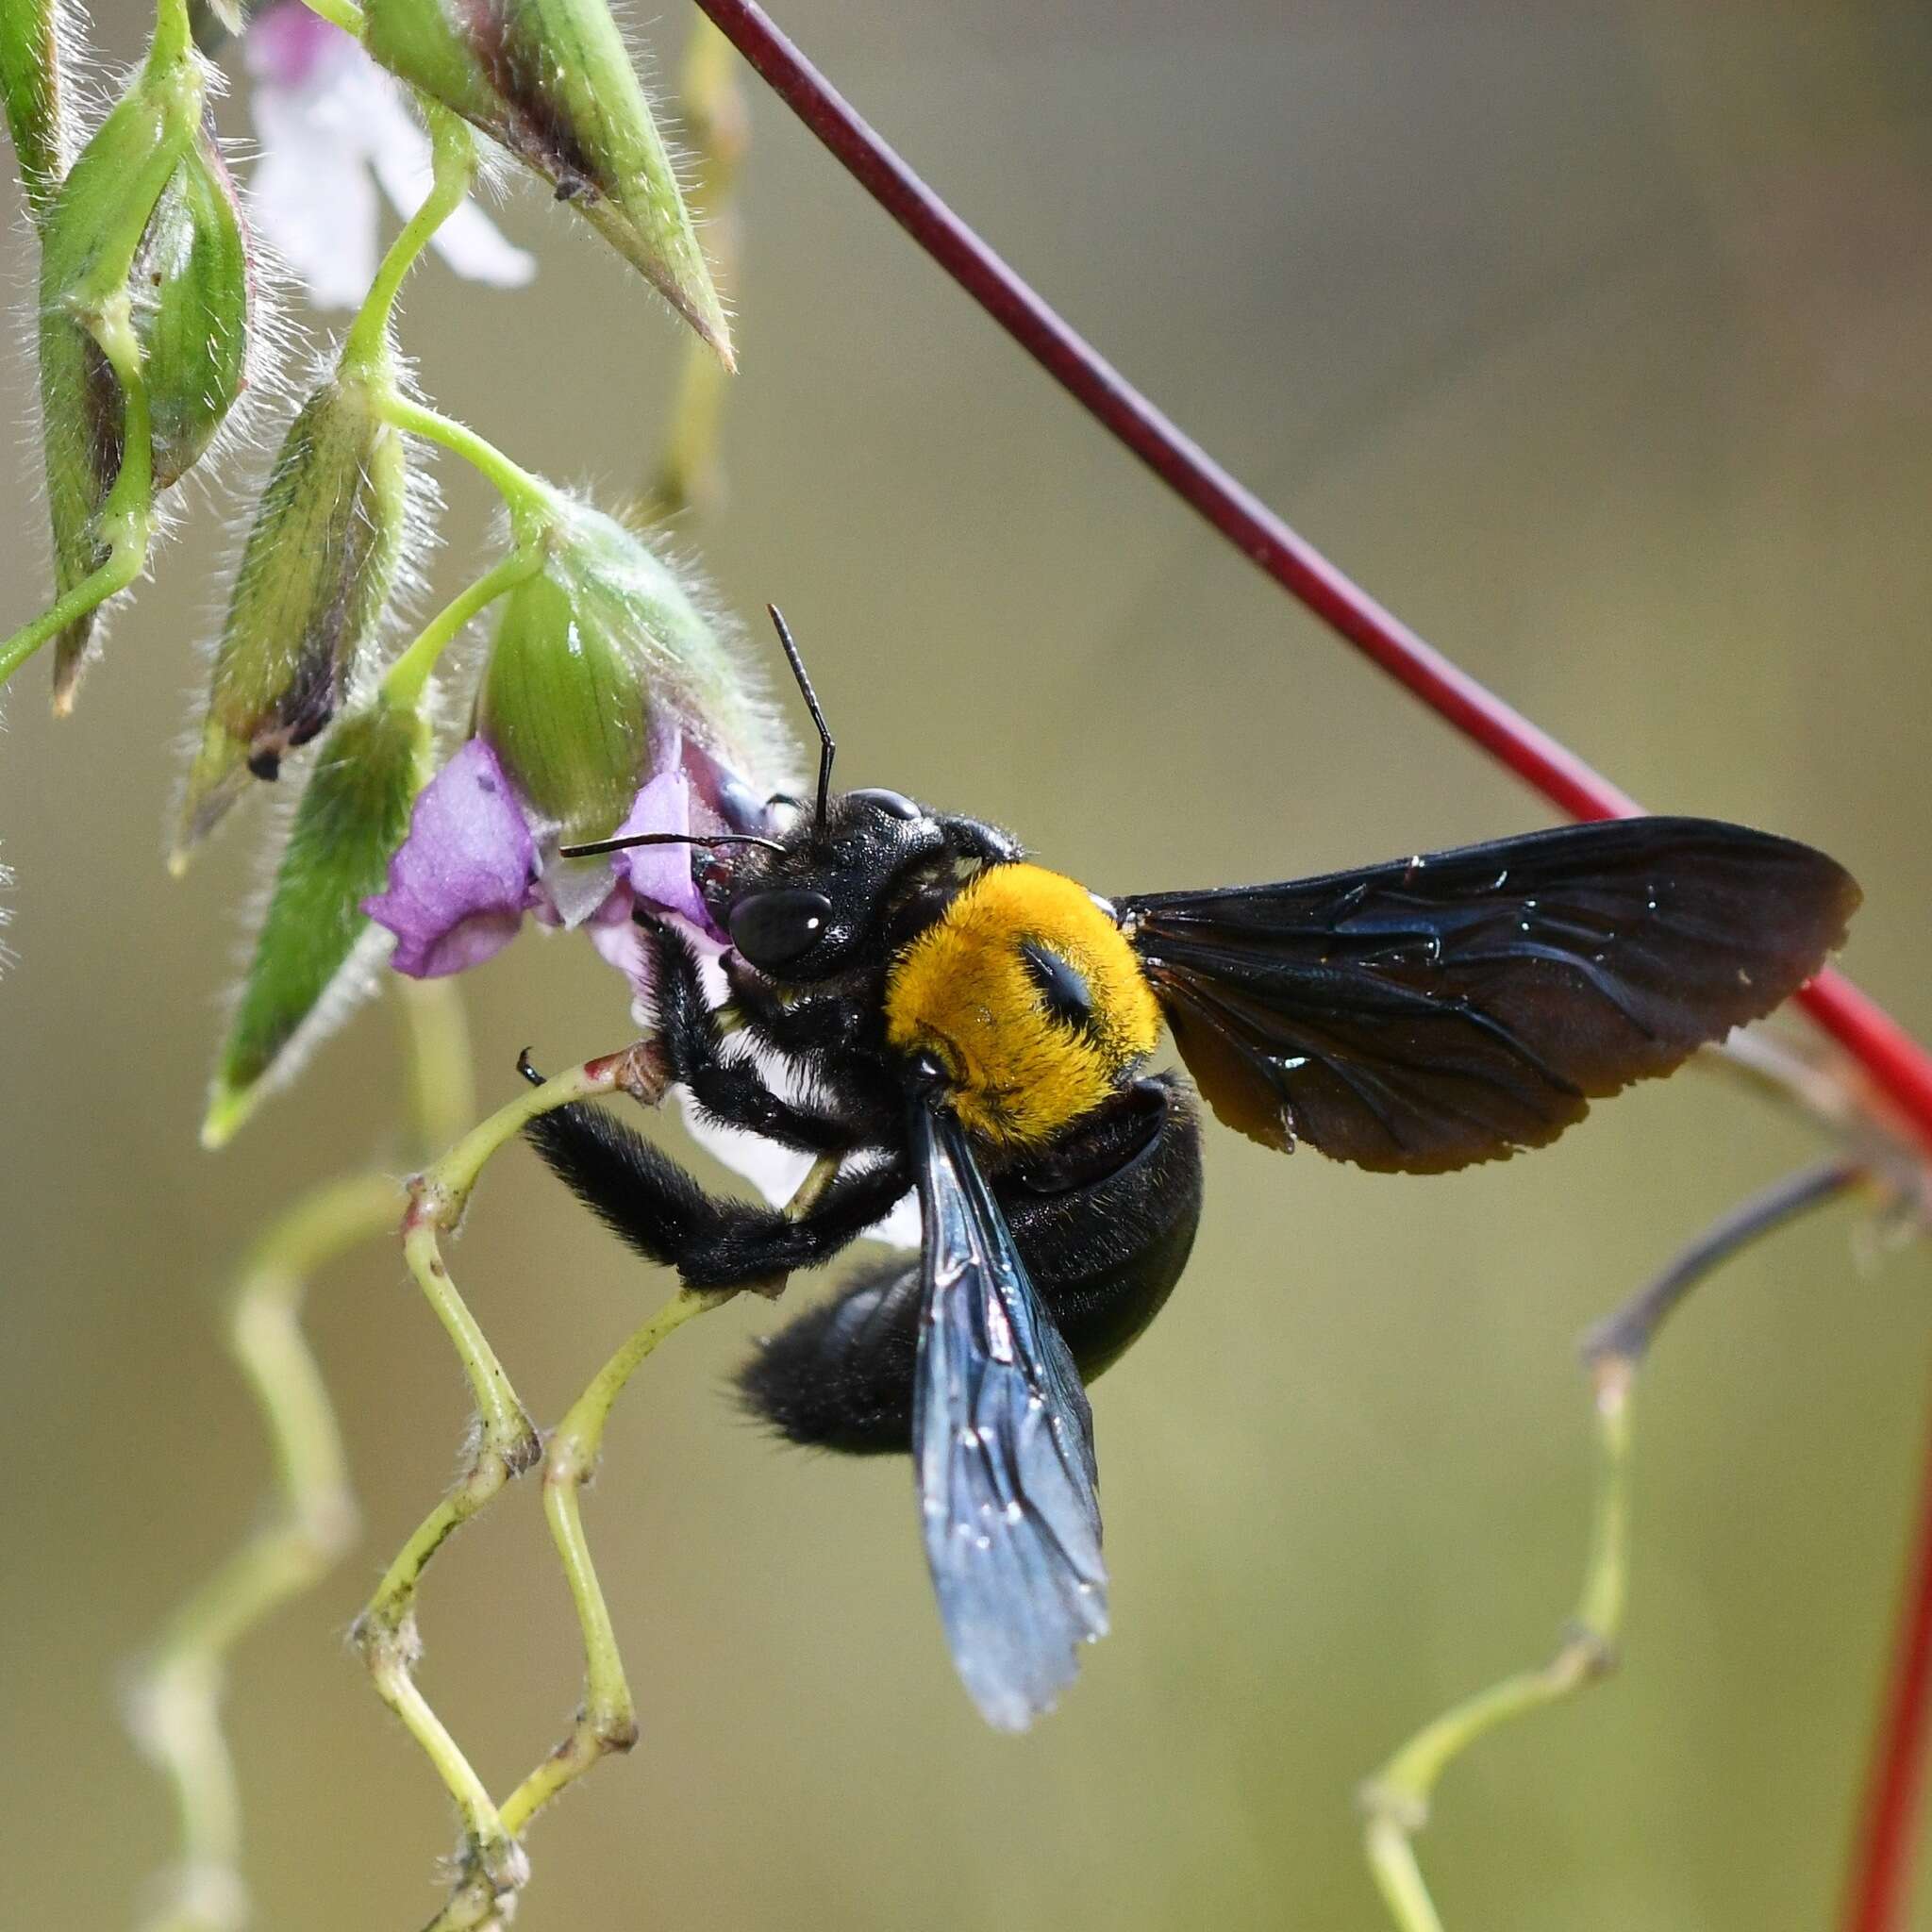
(311, 193)
(775, 1172)
(575, 889)
(310, 196)
(901, 1228)
(473, 245)
(398, 150)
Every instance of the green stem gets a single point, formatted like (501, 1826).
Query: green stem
(712, 108)
(526, 494)
(441, 1070)
(608, 1719)
(505, 1445)
(174, 37)
(174, 1708)
(108, 580)
(1397, 1798)
(366, 348)
(453, 160)
(175, 1705)
(403, 684)
(607, 1722)
(1399, 1878)
(126, 514)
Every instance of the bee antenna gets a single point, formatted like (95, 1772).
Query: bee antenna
(826, 747)
(629, 840)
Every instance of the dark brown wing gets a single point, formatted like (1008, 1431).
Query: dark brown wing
(1452, 1007)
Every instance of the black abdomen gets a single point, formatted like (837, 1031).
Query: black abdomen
(1104, 1222)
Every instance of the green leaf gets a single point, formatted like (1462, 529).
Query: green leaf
(552, 81)
(314, 955)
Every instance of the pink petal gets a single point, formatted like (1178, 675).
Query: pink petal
(460, 882)
(659, 876)
(287, 43)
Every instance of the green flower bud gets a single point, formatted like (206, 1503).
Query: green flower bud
(148, 219)
(316, 952)
(553, 82)
(315, 575)
(601, 649)
(33, 86)
(563, 703)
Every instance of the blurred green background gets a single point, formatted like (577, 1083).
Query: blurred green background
(1594, 339)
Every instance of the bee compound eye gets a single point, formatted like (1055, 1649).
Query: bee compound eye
(895, 805)
(773, 927)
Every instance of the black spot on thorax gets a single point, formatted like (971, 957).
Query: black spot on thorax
(1063, 987)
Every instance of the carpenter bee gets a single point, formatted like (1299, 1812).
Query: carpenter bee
(960, 1022)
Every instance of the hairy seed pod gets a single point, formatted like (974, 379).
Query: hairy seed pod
(191, 287)
(316, 950)
(81, 404)
(315, 575)
(187, 286)
(552, 81)
(33, 87)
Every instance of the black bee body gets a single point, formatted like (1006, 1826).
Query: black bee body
(956, 1021)
(1104, 1224)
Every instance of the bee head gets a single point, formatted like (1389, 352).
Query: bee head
(832, 892)
(820, 888)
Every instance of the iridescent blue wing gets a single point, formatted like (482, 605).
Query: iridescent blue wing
(1003, 1449)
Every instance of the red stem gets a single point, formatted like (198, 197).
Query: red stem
(1897, 1063)
(1893, 1057)
(1880, 1891)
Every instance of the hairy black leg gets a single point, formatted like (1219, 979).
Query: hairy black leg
(650, 1201)
(727, 1086)
(805, 1024)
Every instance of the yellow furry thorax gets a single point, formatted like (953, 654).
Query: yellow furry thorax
(966, 993)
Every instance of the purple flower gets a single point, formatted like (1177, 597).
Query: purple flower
(461, 881)
(660, 874)
(334, 126)
(474, 864)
